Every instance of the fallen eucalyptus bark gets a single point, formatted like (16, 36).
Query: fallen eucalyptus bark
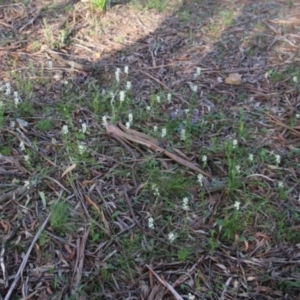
(122, 132)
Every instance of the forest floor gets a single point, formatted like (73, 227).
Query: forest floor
(150, 151)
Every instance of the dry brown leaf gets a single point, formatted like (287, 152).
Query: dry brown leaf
(234, 79)
(251, 278)
(71, 252)
(5, 226)
(87, 182)
(68, 170)
(91, 202)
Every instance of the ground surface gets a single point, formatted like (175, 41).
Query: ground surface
(182, 183)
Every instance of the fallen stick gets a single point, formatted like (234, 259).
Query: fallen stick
(276, 121)
(25, 259)
(142, 139)
(165, 283)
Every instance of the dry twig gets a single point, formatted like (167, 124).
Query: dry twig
(152, 144)
(166, 284)
(25, 259)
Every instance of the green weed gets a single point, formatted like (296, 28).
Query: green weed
(60, 217)
(99, 4)
(44, 124)
(48, 34)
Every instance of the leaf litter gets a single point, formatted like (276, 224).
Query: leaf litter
(108, 251)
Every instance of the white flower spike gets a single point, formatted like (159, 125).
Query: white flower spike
(130, 118)
(171, 237)
(22, 146)
(151, 223)
(126, 70)
(117, 74)
(237, 205)
(169, 97)
(185, 203)
(65, 129)
(128, 85)
(104, 120)
(182, 134)
(83, 127)
(200, 178)
(234, 144)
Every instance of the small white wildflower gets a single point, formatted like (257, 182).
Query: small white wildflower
(65, 129)
(83, 127)
(128, 125)
(171, 237)
(194, 88)
(234, 144)
(158, 99)
(26, 158)
(12, 124)
(204, 159)
(112, 101)
(122, 96)
(182, 134)
(163, 132)
(155, 128)
(187, 111)
(104, 120)
(8, 89)
(126, 70)
(82, 148)
(277, 159)
(117, 73)
(66, 82)
(148, 108)
(185, 203)
(27, 183)
(238, 169)
(237, 205)
(191, 296)
(298, 116)
(16, 98)
(280, 184)
(250, 157)
(169, 97)
(128, 85)
(155, 190)
(50, 64)
(200, 178)
(151, 223)
(295, 79)
(198, 71)
(130, 118)
(22, 146)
